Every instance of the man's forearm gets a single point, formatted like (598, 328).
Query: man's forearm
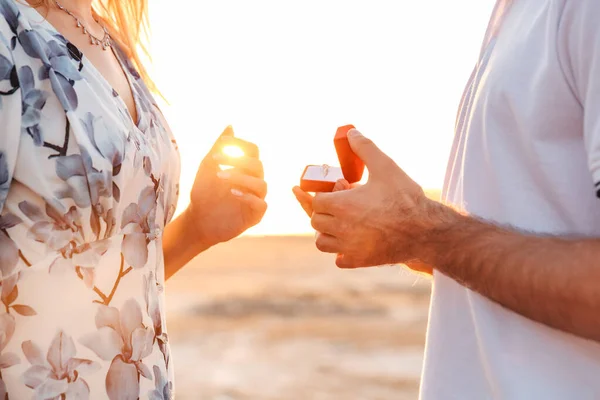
(180, 245)
(554, 281)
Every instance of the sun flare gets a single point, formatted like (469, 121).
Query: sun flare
(233, 151)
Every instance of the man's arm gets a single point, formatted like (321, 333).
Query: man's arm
(555, 281)
(551, 280)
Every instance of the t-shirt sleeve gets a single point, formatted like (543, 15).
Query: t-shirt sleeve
(10, 113)
(579, 44)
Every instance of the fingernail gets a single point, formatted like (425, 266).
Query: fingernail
(223, 175)
(354, 132)
(237, 193)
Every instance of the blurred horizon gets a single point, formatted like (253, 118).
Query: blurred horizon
(285, 75)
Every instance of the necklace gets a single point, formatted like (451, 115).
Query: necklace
(105, 42)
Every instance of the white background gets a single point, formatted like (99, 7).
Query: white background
(286, 73)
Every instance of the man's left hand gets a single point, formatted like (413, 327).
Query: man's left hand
(377, 223)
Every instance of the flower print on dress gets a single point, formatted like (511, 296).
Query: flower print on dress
(8, 76)
(4, 178)
(57, 65)
(76, 209)
(9, 252)
(7, 360)
(49, 227)
(9, 294)
(139, 226)
(11, 13)
(110, 145)
(125, 341)
(163, 387)
(151, 296)
(58, 375)
(167, 197)
(9, 259)
(63, 234)
(82, 259)
(33, 101)
(165, 200)
(74, 52)
(86, 186)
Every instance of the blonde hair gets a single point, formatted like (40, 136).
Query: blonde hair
(127, 22)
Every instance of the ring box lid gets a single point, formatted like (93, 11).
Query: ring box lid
(352, 166)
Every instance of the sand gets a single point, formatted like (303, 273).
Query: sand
(272, 318)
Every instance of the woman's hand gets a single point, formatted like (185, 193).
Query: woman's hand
(226, 203)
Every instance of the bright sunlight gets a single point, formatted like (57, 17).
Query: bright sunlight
(233, 151)
(286, 74)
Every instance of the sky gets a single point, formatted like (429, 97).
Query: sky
(286, 73)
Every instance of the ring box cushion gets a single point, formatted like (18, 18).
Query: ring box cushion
(322, 178)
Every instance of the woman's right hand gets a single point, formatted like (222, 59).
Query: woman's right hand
(225, 203)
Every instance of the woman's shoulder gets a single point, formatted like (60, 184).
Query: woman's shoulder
(21, 24)
(10, 16)
(9, 28)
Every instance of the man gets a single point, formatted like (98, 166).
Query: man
(515, 256)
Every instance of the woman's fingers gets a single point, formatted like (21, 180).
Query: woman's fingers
(248, 148)
(258, 205)
(250, 165)
(234, 152)
(244, 183)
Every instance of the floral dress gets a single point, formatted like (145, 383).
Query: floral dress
(85, 193)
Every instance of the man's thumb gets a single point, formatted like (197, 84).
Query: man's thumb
(375, 160)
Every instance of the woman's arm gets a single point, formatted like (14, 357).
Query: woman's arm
(223, 204)
(181, 244)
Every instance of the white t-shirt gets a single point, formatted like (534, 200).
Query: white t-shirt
(526, 153)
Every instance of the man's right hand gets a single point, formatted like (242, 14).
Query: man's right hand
(306, 199)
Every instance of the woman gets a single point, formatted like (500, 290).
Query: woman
(88, 182)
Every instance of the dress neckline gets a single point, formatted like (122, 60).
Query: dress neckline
(34, 16)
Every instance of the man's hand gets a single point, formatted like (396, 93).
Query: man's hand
(545, 278)
(306, 199)
(374, 224)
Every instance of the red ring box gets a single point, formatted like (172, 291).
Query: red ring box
(322, 178)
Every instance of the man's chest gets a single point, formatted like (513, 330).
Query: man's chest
(523, 86)
(519, 154)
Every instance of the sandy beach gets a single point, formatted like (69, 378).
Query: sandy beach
(271, 318)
